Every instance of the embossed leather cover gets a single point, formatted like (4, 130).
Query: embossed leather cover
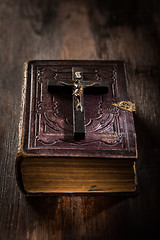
(48, 119)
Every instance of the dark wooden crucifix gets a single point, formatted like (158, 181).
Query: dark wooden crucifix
(78, 86)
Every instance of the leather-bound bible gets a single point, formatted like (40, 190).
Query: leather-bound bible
(76, 129)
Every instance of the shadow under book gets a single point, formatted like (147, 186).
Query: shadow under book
(76, 130)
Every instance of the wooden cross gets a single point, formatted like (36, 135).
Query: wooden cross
(78, 87)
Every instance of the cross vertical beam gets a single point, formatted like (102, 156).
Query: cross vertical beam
(78, 103)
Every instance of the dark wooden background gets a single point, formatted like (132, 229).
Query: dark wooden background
(89, 29)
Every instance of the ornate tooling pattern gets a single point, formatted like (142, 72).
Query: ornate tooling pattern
(51, 123)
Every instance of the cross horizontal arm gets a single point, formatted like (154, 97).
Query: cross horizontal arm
(102, 84)
(95, 87)
(55, 83)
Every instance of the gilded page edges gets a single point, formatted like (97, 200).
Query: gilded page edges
(23, 100)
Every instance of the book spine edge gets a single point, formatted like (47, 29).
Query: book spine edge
(23, 102)
(20, 154)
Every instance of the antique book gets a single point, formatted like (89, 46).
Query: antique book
(76, 129)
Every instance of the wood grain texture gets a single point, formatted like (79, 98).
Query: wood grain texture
(92, 29)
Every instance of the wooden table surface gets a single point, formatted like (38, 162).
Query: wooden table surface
(91, 29)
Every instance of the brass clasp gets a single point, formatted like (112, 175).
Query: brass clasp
(126, 106)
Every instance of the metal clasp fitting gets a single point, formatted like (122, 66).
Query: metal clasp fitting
(126, 106)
